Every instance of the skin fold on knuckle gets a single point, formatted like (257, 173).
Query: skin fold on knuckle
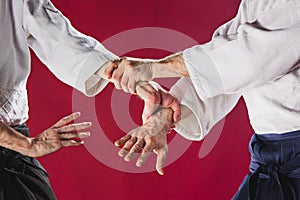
(136, 147)
(147, 150)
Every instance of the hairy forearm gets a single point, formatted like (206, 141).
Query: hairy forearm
(171, 66)
(11, 139)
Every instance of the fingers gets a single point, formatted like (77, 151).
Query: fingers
(135, 149)
(109, 69)
(66, 120)
(169, 101)
(151, 96)
(148, 93)
(68, 143)
(118, 73)
(128, 146)
(122, 141)
(74, 135)
(124, 83)
(160, 161)
(175, 106)
(144, 155)
(132, 147)
(74, 127)
(130, 85)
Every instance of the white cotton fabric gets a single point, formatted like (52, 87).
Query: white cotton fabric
(255, 56)
(71, 56)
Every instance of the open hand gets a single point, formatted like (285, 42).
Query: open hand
(61, 134)
(151, 136)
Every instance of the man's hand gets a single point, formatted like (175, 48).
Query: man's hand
(154, 97)
(149, 137)
(128, 72)
(61, 134)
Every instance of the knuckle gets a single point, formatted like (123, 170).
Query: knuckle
(123, 83)
(107, 71)
(153, 97)
(146, 150)
(136, 147)
(128, 66)
(126, 147)
(51, 132)
(115, 77)
(67, 118)
(71, 126)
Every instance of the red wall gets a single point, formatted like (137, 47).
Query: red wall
(76, 174)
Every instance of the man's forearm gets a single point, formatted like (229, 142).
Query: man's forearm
(171, 66)
(11, 139)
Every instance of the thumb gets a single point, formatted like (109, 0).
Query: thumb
(169, 101)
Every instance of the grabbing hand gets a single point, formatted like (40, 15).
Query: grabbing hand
(61, 134)
(128, 73)
(151, 136)
(154, 97)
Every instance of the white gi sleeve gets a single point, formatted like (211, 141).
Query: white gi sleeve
(199, 116)
(70, 55)
(259, 52)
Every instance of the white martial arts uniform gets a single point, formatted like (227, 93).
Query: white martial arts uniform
(255, 56)
(71, 56)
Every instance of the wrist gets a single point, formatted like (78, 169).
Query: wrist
(24, 146)
(11, 139)
(168, 112)
(170, 66)
(28, 147)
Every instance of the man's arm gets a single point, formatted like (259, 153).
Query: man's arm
(243, 54)
(71, 56)
(171, 66)
(62, 134)
(130, 71)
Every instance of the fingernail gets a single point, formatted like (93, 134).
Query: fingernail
(161, 172)
(127, 159)
(89, 123)
(116, 144)
(139, 164)
(122, 153)
(77, 113)
(84, 134)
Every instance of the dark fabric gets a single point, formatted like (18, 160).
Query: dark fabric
(22, 177)
(274, 168)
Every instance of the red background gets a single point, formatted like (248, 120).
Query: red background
(76, 174)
